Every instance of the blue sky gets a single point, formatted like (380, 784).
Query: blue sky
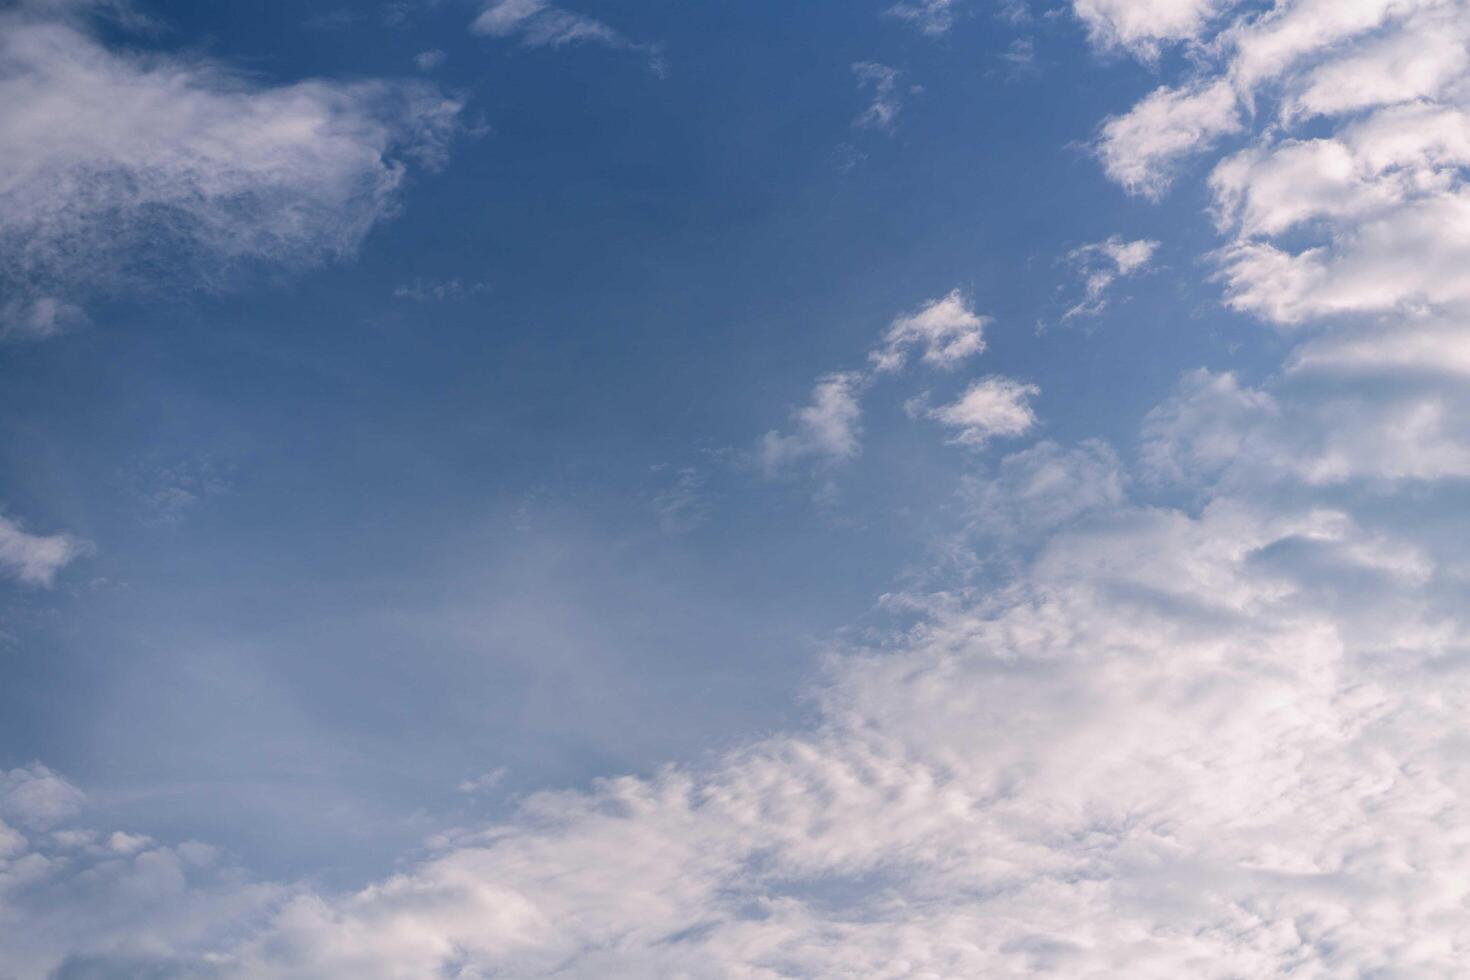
(459, 440)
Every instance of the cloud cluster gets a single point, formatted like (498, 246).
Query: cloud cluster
(126, 170)
(944, 333)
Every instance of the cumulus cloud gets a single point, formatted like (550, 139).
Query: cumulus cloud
(541, 24)
(946, 332)
(1142, 148)
(121, 164)
(35, 797)
(1143, 26)
(991, 408)
(35, 559)
(828, 428)
(1103, 263)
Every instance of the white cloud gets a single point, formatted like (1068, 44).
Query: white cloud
(882, 81)
(933, 17)
(1142, 26)
(429, 60)
(35, 797)
(119, 164)
(1103, 263)
(947, 331)
(828, 429)
(1142, 148)
(1221, 741)
(541, 24)
(991, 408)
(437, 290)
(35, 559)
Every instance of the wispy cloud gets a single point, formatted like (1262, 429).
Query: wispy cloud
(540, 24)
(1103, 263)
(122, 169)
(882, 84)
(933, 17)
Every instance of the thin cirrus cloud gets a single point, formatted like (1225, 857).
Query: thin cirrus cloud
(540, 24)
(1101, 264)
(119, 165)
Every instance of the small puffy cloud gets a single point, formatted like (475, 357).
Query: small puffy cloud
(119, 166)
(429, 60)
(933, 17)
(34, 796)
(1103, 263)
(991, 408)
(827, 429)
(35, 559)
(946, 331)
(1141, 149)
(882, 83)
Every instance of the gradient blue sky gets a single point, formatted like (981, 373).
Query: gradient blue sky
(413, 416)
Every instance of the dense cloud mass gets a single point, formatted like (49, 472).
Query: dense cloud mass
(1218, 740)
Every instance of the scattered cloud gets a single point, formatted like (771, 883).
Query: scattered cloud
(35, 559)
(483, 783)
(429, 60)
(933, 17)
(887, 101)
(991, 408)
(438, 290)
(947, 331)
(827, 429)
(35, 797)
(122, 166)
(1103, 263)
(1020, 56)
(541, 24)
(684, 504)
